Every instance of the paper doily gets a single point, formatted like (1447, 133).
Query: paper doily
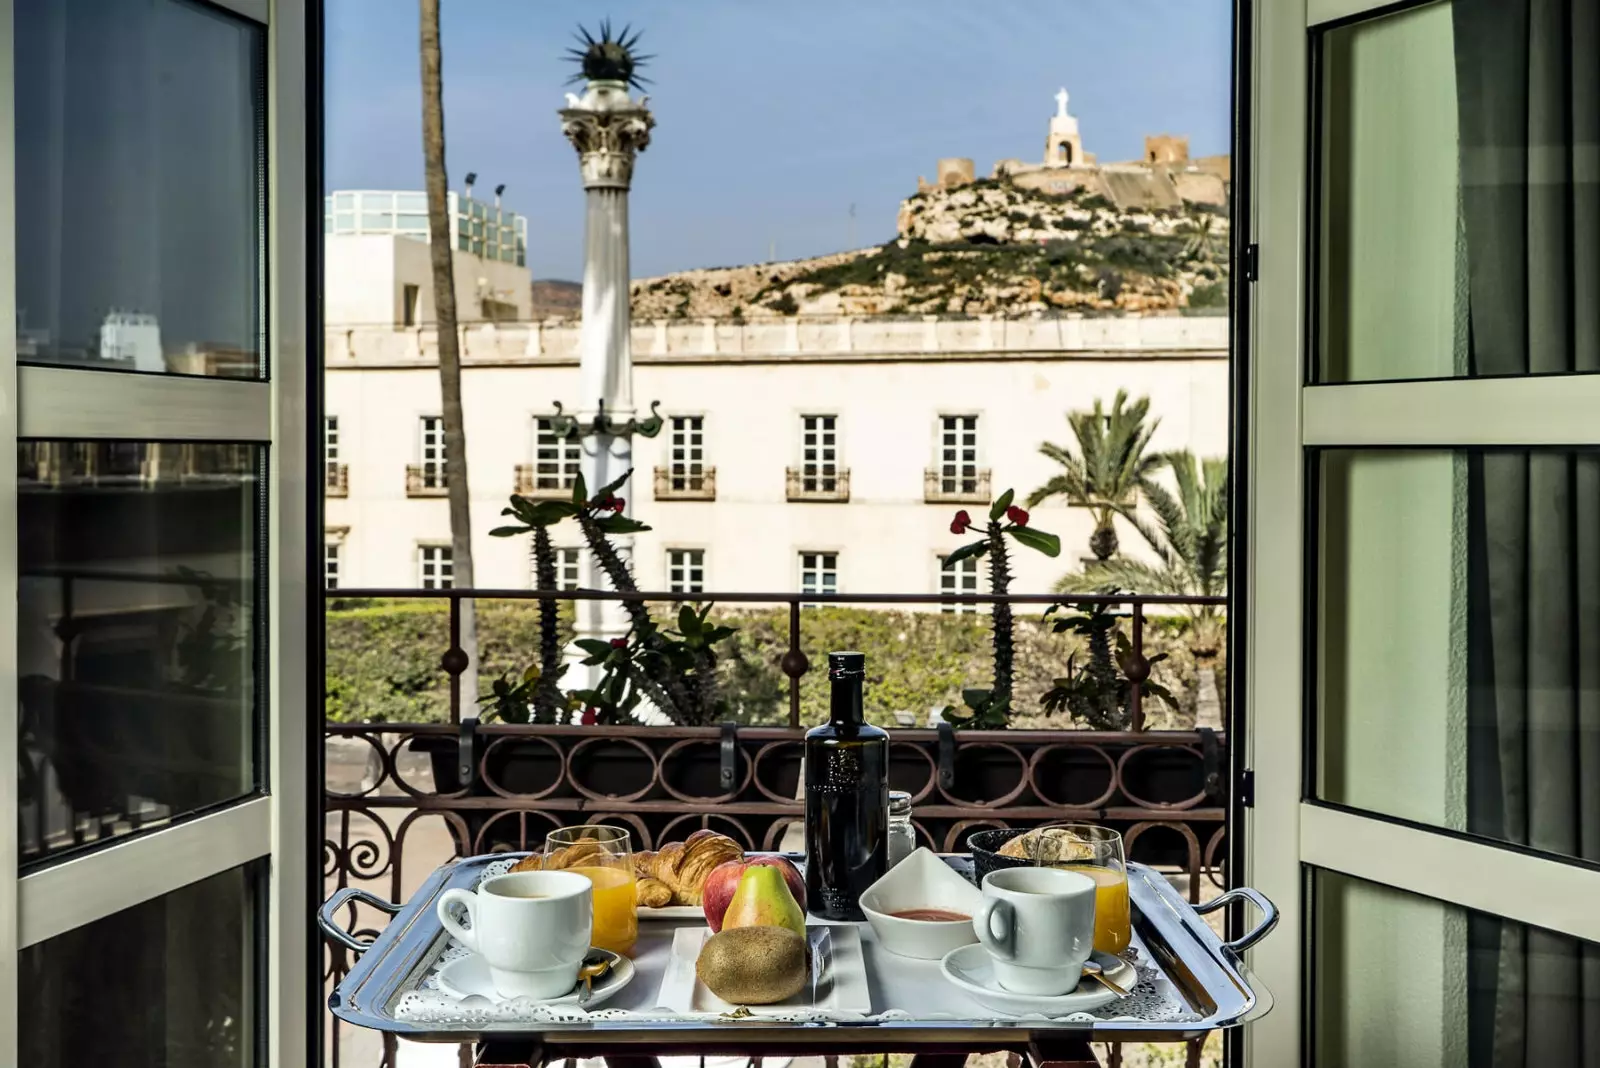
(1153, 1000)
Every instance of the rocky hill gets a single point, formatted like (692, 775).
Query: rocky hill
(986, 247)
(556, 298)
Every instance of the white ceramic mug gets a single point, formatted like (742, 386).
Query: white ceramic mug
(1038, 925)
(532, 927)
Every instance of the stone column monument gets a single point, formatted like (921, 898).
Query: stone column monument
(608, 128)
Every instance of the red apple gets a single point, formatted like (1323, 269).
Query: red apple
(724, 880)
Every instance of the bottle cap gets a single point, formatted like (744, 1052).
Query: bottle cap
(899, 803)
(847, 665)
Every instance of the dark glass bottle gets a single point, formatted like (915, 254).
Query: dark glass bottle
(847, 798)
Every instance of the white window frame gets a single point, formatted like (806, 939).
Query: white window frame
(433, 559)
(330, 445)
(431, 450)
(686, 569)
(686, 435)
(568, 461)
(816, 562)
(569, 567)
(963, 428)
(819, 461)
(332, 563)
(949, 581)
(74, 404)
(1283, 832)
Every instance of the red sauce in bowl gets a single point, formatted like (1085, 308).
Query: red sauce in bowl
(931, 915)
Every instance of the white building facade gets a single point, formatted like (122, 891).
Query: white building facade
(797, 454)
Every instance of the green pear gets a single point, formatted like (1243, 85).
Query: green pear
(763, 900)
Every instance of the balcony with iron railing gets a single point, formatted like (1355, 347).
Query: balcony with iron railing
(539, 485)
(817, 483)
(956, 485)
(694, 483)
(336, 482)
(426, 480)
(404, 797)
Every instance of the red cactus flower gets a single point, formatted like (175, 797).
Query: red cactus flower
(962, 522)
(1019, 516)
(617, 504)
(589, 716)
(619, 643)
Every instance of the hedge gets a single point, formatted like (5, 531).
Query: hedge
(383, 660)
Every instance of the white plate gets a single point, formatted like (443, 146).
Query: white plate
(468, 976)
(971, 969)
(672, 912)
(838, 975)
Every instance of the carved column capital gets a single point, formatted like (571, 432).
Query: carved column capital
(608, 129)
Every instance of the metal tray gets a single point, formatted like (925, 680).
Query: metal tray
(1207, 973)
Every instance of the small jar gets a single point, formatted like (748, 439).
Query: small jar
(902, 837)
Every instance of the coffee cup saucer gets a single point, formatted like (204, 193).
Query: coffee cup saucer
(468, 976)
(972, 969)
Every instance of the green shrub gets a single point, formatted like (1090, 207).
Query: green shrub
(383, 660)
(1209, 295)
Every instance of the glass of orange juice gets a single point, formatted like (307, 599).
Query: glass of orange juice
(605, 855)
(1107, 865)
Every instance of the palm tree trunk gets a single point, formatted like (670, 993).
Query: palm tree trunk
(444, 303)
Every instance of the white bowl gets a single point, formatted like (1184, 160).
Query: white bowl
(921, 881)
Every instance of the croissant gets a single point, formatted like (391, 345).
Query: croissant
(684, 866)
(673, 875)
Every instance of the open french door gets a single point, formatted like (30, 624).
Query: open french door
(1423, 533)
(154, 883)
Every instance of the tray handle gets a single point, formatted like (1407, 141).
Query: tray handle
(341, 898)
(1269, 916)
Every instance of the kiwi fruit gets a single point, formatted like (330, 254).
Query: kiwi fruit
(753, 965)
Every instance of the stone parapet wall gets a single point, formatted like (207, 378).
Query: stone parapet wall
(556, 342)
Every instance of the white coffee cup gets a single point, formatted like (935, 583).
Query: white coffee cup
(1038, 925)
(532, 927)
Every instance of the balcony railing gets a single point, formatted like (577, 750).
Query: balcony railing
(943, 485)
(684, 484)
(426, 481)
(337, 481)
(818, 484)
(541, 487)
(431, 791)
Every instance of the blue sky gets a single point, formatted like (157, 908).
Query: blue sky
(772, 119)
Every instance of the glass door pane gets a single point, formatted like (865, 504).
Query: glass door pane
(140, 638)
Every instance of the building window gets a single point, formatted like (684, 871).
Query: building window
(819, 572)
(960, 577)
(330, 447)
(566, 564)
(556, 460)
(567, 573)
(435, 570)
(958, 453)
(687, 458)
(686, 570)
(819, 452)
(430, 447)
(410, 299)
(330, 565)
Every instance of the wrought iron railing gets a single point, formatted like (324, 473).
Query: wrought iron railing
(470, 788)
(954, 485)
(686, 483)
(541, 486)
(817, 483)
(426, 480)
